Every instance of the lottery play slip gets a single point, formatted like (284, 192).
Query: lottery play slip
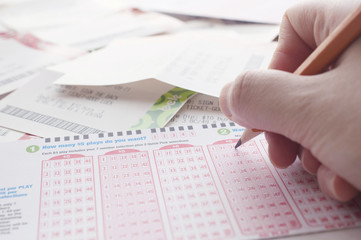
(183, 182)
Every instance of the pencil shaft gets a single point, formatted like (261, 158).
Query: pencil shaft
(247, 135)
(346, 32)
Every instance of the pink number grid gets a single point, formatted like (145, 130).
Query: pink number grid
(193, 204)
(316, 208)
(129, 200)
(67, 199)
(255, 197)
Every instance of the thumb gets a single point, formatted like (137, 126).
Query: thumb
(271, 100)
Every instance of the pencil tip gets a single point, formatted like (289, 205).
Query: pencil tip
(239, 143)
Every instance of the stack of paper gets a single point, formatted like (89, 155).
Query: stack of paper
(61, 110)
(87, 179)
(182, 60)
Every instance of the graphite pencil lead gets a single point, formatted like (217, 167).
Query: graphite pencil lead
(239, 143)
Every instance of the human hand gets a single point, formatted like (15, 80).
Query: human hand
(317, 118)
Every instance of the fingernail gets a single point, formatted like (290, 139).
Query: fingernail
(309, 162)
(326, 180)
(343, 190)
(308, 169)
(335, 186)
(275, 164)
(223, 100)
(273, 159)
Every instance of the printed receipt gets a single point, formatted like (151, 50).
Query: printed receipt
(51, 110)
(184, 182)
(200, 109)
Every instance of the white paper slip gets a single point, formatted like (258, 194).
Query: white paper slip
(7, 135)
(263, 11)
(18, 63)
(44, 109)
(96, 33)
(3, 29)
(201, 61)
(185, 182)
(13, 2)
(28, 16)
(248, 32)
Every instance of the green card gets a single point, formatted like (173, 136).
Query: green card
(164, 109)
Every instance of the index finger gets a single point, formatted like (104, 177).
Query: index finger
(303, 28)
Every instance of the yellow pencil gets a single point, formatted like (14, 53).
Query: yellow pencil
(343, 35)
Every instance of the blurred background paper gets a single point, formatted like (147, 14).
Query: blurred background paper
(9, 2)
(31, 15)
(190, 60)
(248, 32)
(96, 33)
(18, 63)
(3, 29)
(262, 11)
